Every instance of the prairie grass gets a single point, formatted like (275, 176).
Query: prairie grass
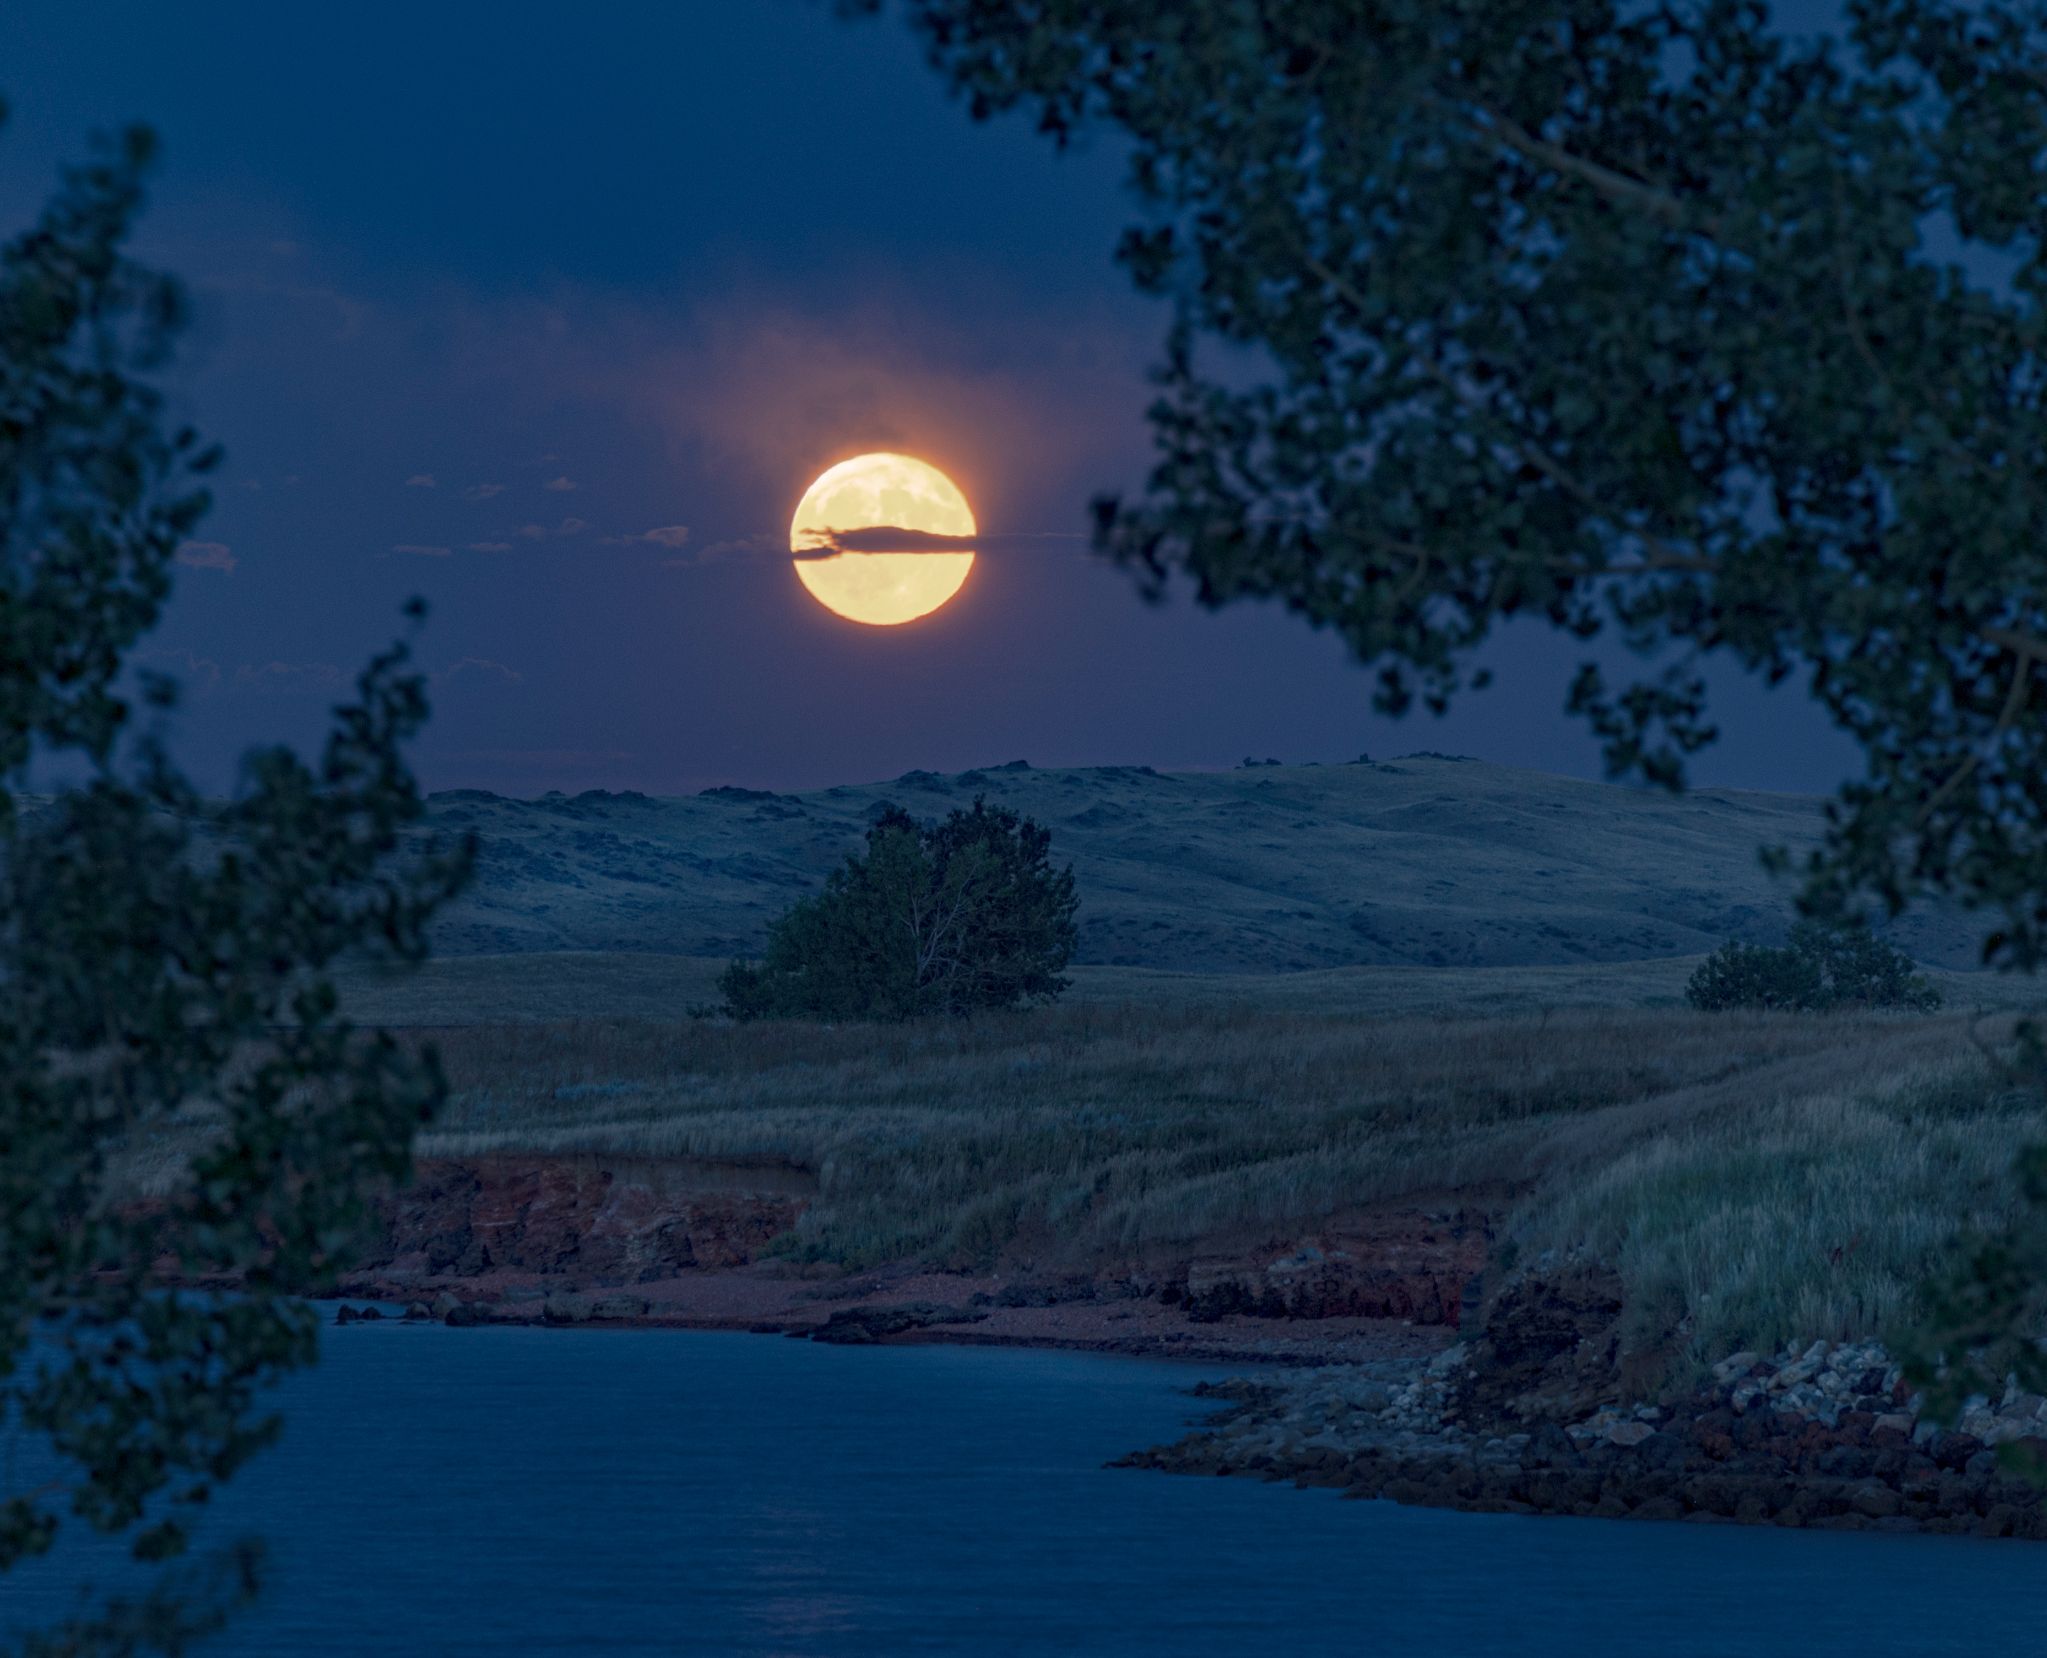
(1778, 1177)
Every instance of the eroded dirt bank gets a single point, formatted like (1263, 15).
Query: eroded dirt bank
(1409, 1380)
(570, 1240)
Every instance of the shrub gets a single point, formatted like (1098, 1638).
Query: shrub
(933, 918)
(1822, 967)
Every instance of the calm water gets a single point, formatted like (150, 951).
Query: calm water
(554, 1491)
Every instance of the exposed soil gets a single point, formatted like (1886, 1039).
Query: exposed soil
(566, 1240)
(1539, 1408)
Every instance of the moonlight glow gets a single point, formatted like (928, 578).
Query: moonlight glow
(870, 491)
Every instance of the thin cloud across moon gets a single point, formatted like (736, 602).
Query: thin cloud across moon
(881, 490)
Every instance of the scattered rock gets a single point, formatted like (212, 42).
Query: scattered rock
(855, 1326)
(1744, 1448)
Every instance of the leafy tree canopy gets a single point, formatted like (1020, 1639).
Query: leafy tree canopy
(162, 958)
(1645, 320)
(951, 917)
(1822, 967)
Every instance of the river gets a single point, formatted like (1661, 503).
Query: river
(532, 1491)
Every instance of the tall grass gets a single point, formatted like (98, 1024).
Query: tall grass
(1778, 1177)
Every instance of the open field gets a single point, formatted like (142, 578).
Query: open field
(619, 984)
(1776, 1177)
(1304, 994)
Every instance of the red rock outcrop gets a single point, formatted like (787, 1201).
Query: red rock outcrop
(630, 1222)
(1408, 1263)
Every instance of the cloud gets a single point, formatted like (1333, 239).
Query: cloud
(739, 546)
(202, 673)
(420, 480)
(490, 546)
(482, 492)
(423, 552)
(477, 667)
(531, 532)
(207, 555)
(560, 485)
(762, 388)
(570, 526)
(290, 678)
(886, 538)
(672, 536)
(351, 318)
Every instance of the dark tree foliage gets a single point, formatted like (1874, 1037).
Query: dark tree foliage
(1821, 968)
(952, 917)
(1629, 317)
(1648, 321)
(162, 960)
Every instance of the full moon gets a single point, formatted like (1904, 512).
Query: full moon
(901, 492)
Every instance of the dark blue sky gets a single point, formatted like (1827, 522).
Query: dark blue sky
(488, 293)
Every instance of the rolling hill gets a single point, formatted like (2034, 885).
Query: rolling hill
(1429, 861)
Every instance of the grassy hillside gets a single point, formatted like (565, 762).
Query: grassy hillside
(1777, 1177)
(1303, 992)
(1421, 862)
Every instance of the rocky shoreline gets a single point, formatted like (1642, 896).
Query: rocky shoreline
(1540, 1408)
(1827, 1437)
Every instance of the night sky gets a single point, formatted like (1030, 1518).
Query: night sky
(495, 302)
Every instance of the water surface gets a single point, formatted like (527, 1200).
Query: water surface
(533, 1491)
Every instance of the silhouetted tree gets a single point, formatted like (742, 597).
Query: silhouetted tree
(1821, 967)
(162, 960)
(950, 917)
(1650, 321)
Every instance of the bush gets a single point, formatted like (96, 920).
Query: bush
(940, 918)
(1822, 967)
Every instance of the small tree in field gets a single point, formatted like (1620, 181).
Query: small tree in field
(1822, 967)
(951, 917)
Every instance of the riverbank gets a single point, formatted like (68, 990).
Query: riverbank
(1831, 1437)
(905, 1308)
(1252, 1188)
(1384, 1367)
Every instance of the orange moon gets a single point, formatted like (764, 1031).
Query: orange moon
(870, 491)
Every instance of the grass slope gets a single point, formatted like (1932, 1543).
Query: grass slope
(1424, 861)
(1777, 1177)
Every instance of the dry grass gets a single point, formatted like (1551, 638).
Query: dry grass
(1778, 1176)
(542, 986)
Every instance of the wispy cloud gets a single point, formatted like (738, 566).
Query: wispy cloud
(420, 480)
(477, 667)
(737, 546)
(290, 678)
(570, 526)
(207, 555)
(672, 536)
(490, 546)
(202, 673)
(531, 532)
(482, 492)
(560, 485)
(888, 538)
(423, 551)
